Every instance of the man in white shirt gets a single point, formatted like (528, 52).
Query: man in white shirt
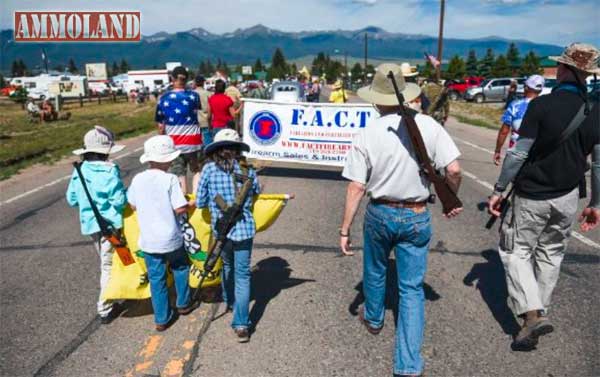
(382, 164)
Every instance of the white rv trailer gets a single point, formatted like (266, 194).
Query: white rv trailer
(38, 86)
(151, 79)
(69, 87)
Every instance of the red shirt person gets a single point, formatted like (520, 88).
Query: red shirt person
(220, 108)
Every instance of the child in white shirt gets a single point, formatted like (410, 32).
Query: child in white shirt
(157, 198)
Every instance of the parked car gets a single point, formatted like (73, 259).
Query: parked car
(493, 89)
(288, 91)
(458, 88)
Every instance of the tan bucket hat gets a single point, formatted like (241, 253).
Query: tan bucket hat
(581, 56)
(381, 90)
(407, 70)
(99, 140)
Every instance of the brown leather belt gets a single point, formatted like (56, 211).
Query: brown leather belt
(399, 203)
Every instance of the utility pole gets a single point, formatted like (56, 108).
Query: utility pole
(440, 40)
(346, 66)
(365, 67)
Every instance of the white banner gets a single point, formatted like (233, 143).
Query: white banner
(307, 132)
(96, 71)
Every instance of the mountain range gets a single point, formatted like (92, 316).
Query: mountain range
(246, 45)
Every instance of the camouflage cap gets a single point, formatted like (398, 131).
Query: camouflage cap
(581, 56)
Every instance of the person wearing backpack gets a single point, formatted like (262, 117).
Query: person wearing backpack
(547, 167)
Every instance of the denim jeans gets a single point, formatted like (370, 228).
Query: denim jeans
(408, 233)
(157, 275)
(236, 280)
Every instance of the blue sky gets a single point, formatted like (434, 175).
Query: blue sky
(549, 21)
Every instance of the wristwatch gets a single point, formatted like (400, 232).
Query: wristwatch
(344, 235)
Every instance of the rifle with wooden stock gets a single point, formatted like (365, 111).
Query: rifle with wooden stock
(443, 188)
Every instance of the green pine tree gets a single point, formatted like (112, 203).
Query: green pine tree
(531, 65)
(487, 63)
(72, 68)
(471, 63)
(258, 66)
(279, 66)
(124, 67)
(115, 69)
(501, 67)
(357, 72)
(428, 71)
(512, 55)
(456, 68)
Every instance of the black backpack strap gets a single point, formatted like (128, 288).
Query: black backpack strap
(573, 126)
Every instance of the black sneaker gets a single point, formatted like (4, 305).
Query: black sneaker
(116, 310)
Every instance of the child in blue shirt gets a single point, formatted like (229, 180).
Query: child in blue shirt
(108, 193)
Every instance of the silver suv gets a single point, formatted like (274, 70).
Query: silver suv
(493, 89)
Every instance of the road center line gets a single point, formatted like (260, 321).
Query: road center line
(489, 186)
(59, 180)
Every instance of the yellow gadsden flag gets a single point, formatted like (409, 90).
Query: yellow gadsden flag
(130, 282)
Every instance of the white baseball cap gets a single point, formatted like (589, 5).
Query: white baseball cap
(159, 148)
(535, 82)
(99, 140)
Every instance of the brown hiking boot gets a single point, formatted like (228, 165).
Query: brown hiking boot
(243, 335)
(528, 337)
(371, 329)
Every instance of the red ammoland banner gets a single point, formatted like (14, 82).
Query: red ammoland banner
(60, 26)
(306, 132)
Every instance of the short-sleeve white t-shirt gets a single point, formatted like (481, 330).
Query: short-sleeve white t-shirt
(383, 159)
(156, 194)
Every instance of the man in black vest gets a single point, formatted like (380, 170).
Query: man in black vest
(547, 166)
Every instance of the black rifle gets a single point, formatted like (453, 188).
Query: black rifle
(231, 215)
(107, 230)
(443, 188)
(502, 208)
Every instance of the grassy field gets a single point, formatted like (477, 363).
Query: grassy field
(477, 114)
(24, 143)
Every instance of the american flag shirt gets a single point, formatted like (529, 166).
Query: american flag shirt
(178, 111)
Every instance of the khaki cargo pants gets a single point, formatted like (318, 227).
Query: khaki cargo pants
(533, 240)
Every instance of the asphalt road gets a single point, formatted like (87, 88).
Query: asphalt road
(305, 295)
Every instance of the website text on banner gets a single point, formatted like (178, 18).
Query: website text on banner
(310, 133)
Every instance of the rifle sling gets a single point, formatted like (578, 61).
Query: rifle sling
(102, 222)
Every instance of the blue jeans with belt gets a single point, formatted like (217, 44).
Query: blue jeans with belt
(407, 232)
(236, 280)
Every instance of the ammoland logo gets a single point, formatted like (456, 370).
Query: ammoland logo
(60, 26)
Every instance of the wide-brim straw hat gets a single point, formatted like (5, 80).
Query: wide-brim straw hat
(337, 85)
(381, 91)
(226, 138)
(581, 56)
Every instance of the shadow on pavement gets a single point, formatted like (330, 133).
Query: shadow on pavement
(391, 292)
(491, 283)
(269, 277)
(302, 173)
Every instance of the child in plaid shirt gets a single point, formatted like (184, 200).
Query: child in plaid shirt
(218, 177)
